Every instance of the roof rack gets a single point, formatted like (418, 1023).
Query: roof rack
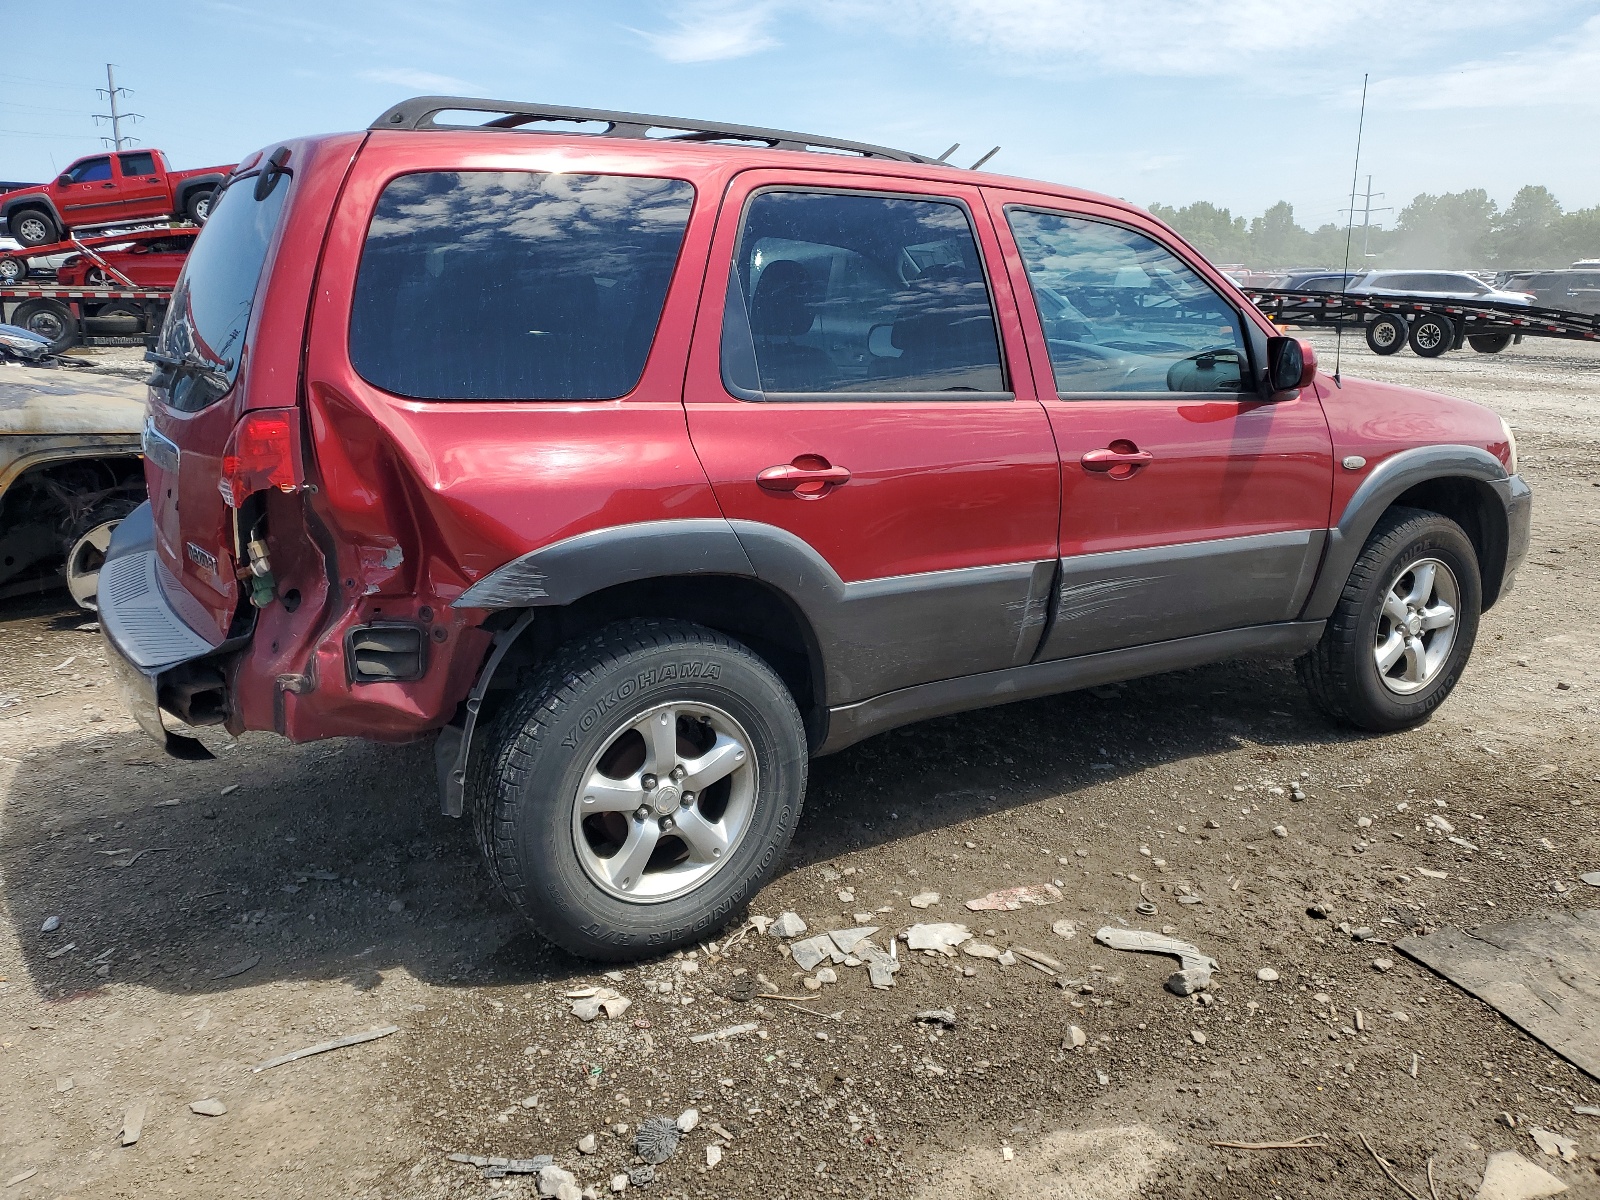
(419, 112)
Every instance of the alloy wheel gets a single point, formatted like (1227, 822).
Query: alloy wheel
(664, 803)
(1417, 626)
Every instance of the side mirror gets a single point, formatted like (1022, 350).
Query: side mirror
(63, 180)
(1291, 364)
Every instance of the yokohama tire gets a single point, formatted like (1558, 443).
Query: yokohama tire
(1432, 336)
(1342, 671)
(1386, 335)
(547, 748)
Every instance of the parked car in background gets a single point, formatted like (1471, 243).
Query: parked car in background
(1437, 285)
(1571, 290)
(149, 258)
(131, 185)
(748, 453)
(69, 469)
(1310, 281)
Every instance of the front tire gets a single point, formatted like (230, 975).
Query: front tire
(34, 227)
(13, 271)
(1404, 627)
(1386, 335)
(641, 789)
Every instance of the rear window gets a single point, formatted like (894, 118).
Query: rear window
(210, 309)
(511, 285)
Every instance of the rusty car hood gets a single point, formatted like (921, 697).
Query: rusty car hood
(54, 401)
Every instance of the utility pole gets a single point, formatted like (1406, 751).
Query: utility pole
(111, 92)
(1366, 213)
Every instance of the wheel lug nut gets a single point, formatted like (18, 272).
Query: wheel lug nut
(648, 783)
(686, 798)
(667, 823)
(678, 772)
(641, 812)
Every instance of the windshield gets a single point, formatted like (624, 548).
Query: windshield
(205, 326)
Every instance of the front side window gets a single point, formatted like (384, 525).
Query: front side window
(1121, 313)
(851, 293)
(91, 170)
(515, 285)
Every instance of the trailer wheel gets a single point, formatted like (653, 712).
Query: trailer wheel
(1386, 335)
(1489, 343)
(34, 227)
(13, 270)
(1432, 335)
(197, 207)
(49, 319)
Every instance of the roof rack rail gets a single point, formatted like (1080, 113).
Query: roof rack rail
(419, 112)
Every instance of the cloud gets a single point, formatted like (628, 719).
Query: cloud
(421, 81)
(714, 30)
(1272, 40)
(1564, 71)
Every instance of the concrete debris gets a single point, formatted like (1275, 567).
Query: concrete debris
(1199, 1038)
(980, 950)
(826, 975)
(1509, 1176)
(51, 924)
(1188, 982)
(325, 1047)
(713, 1155)
(1586, 1110)
(847, 939)
(209, 1108)
(1146, 942)
(619, 1183)
(557, 1183)
(1382, 964)
(588, 1144)
(639, 1176)
(721, 1132)
(656, 1139)
(722, 1035)
(1430, 873)
(1279, 831)
(808, 954)
(1267, 975)
(1007, 959)
(589, 1003)
(942, 936)
(688, 1119)
(64, 1083)
(936, 1016)
(1566, 1149)
(847, 895)
(788, 925)
(924, 900)
(133, 1123)
(880, 973)
(1065, 929)
(1592, 878)
(1011, 899)
(1077, 1037)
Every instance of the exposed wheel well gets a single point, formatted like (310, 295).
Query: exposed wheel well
(758, 616)
(1472, 505)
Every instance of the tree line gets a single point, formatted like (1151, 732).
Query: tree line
(1454, 231)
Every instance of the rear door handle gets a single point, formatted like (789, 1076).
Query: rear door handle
(808, 476)
(1119, 460)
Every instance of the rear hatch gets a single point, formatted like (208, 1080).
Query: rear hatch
(197, 395)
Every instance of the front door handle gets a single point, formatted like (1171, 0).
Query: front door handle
(809, 476)
(1118, 460)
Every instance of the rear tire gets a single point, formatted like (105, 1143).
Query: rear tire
(1386, 335)
(1350, 673)
(611, 875)
(34, 227)
(1432, 336)
(197, 205)
(49, 319)
(1489, 343)
(13, 271)
(86, 550)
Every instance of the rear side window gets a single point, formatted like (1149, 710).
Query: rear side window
(210, 309)
(511, 285)
(140, 163)
(847, 293)
(1122, 313)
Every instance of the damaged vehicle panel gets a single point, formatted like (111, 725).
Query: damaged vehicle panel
(69, 471)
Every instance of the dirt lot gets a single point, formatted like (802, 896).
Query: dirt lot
(221, 914)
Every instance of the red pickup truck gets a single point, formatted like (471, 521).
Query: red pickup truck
(132, 185)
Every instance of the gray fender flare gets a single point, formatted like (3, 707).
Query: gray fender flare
(181, 197)
(1389, 480)
(7, 207)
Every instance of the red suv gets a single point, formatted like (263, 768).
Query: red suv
(638, 460)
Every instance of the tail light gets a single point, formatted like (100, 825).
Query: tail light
(263, 451)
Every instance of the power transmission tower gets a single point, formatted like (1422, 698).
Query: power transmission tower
(1366, 212)
(111, 92)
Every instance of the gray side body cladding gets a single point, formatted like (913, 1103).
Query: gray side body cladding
(1388, 481)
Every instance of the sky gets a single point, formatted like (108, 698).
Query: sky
(1239, 102)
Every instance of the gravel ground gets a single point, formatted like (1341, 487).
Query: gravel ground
(223, 913)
